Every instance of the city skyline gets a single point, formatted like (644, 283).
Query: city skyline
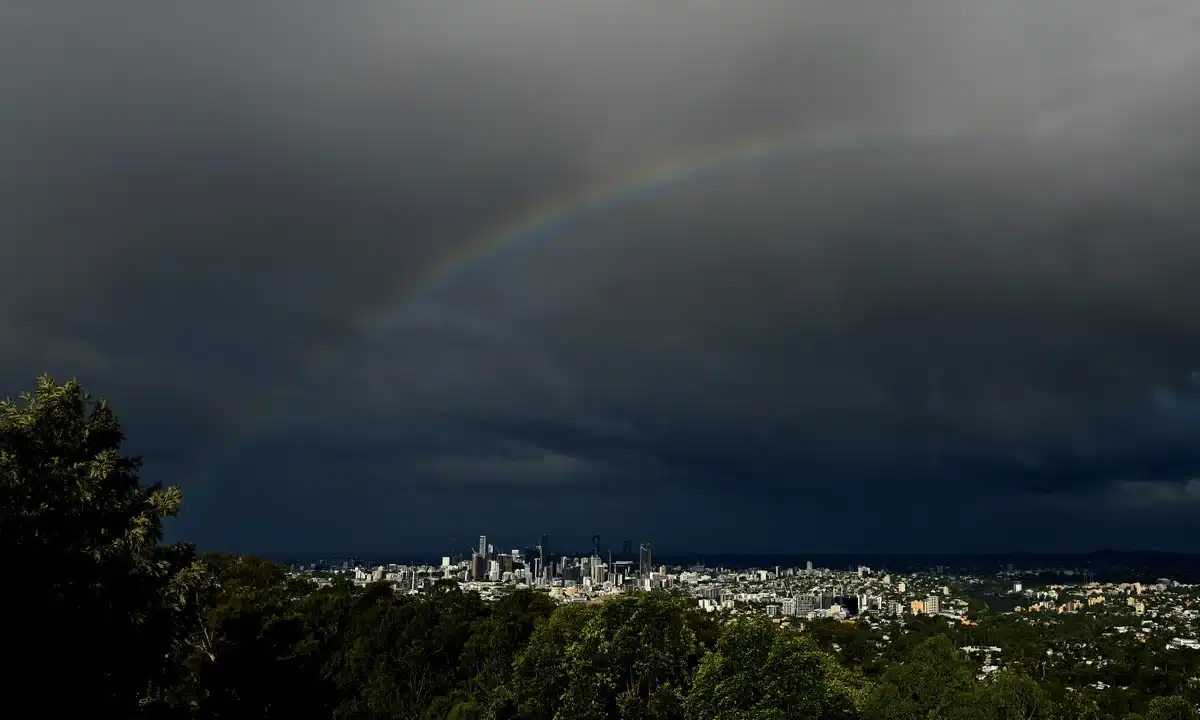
(739, 277)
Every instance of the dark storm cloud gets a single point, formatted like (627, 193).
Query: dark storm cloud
(196, 204)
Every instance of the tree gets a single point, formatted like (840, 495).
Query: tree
(633, 659)
(934, 679)
(1077, 706)
(1005, 696)
(706, 628)
(1171, 708)
(467, 710)
(404, 654)
(96, 610)
(541, 672)
(261, 642)
(761, 671)
(497, 640)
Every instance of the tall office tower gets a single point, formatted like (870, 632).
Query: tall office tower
(596, 545)
(478, 567)
(598, 572)
(483, 549)
(644, 559)
(809, 568)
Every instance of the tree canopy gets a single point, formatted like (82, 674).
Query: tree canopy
(99, 593)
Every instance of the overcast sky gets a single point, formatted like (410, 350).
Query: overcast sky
(977, 330)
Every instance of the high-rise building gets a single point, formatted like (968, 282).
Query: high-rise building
(597, 571)
(596, 545)
(933, 605)
(644, 559)
(478, 567)
(483, 546)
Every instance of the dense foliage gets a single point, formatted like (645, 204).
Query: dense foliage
(125, 626)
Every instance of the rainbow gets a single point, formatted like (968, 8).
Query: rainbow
(552, 213)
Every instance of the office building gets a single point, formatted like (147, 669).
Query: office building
(597, 571)
(644, 560)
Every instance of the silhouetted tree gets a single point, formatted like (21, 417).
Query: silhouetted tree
(95, 609)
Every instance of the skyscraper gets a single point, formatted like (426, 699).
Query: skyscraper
(596, 546)
(644, 559)
(483, 548)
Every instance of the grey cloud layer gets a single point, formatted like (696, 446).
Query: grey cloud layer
(195, 202)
